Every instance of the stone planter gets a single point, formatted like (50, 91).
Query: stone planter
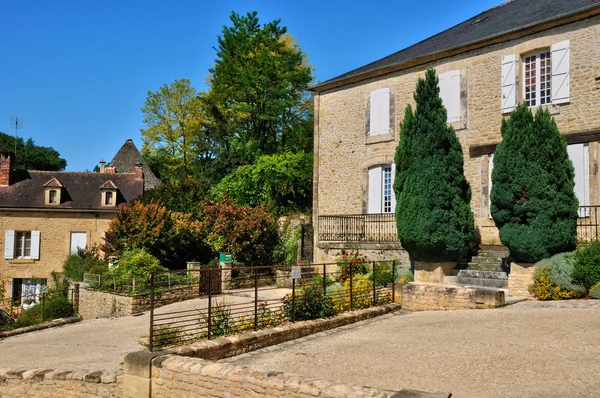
(519, 279)
(433, 272)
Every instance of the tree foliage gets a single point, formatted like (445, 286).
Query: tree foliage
(183, 196)
(433, 212)
(30, 156)
(258, 103)
(281, 182)
(532, 198)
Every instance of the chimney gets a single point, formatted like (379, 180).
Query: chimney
(5, 169)
(110, 170)
(102, 165)
(139, 171)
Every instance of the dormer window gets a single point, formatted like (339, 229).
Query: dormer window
(52, 193)
(108, 194)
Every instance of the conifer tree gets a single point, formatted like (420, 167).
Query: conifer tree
(532, 198)
(433, 212)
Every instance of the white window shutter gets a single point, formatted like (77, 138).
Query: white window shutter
(560, 72)
(393, 191)
(580, 157)
(375, 189)
(509, 80)
(9, 245)
(35, 245)
(442, 77)
(384, 111)
(373, 113)
(490, 169)
(78, 241)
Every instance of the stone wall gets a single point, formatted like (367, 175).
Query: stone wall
(433, 296)
(519, 279)
(57, 383)
(97, 304)
(344, 152)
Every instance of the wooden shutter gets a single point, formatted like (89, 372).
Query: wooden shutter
(35, 245)
(580, 157)
(560, 54)
(78, 241)
(384, 111)
(509, 80)
(490, 169)
(450, 94)
(9, 245)
(375, 190)
(373, 113)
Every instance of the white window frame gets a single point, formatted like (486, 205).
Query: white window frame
(580, 157)
(381, 199)
(22, 244)
(449, 84)
(537, 78)
(379, 112)
(76, 241)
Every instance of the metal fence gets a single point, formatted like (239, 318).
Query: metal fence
(35, 308)
(587, 224)
(109, 283)
(358, 228)
(251, 298)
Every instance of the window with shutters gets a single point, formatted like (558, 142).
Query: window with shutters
(21, 244)
(449, 83)
(381, 190)
(537, 78)
(379, 112)
(78, 241)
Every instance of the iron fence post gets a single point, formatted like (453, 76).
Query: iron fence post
(393, 281)
(324, 279)
(374, 286)
(43, 306)
(209, 302)
(351, 283)
(151, 334)
(255, 299)
(293, 300)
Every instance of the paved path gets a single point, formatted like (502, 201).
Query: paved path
(530, 349)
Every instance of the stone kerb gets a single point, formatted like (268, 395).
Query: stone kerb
(435, 296)
(519, 279)
(17, 383)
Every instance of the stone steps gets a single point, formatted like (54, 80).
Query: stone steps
(469, 273)
(485, 269)
(484, 282)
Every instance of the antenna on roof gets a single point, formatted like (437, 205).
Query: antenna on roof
(16, 122)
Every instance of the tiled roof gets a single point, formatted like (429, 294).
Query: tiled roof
(81, 190)
(126, 159)
(495, 22)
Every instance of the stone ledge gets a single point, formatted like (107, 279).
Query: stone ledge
(45, 375)
(435, 296)
(46, 325)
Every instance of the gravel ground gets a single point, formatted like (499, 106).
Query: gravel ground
(530, 349)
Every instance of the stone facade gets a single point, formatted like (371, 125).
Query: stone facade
(519, 279)
(344, 152)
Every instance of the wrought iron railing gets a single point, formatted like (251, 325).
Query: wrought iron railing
(588, 224)
(377, 228)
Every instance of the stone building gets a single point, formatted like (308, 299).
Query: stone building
(545, 53)
(46, 215)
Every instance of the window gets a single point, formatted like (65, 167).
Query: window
(381, 190)
(449, 83)
(27, 292)
(22, 244)
(537, 78)
(78, 241)
(580, 157)
(108, 198)
(52, 196)
(379, 112)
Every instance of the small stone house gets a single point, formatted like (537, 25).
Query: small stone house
(545, 53)
(46, 215)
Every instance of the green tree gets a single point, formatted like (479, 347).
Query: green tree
(258, 103)
(532, 198)
(433, 212)
(174, 137)
(183, 196)
(282, 182)
(30, 156)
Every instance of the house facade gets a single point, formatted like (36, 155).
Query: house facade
(543, 53)
(47, 215)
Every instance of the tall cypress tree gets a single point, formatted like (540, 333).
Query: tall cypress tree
(433, 212)
(532, 198)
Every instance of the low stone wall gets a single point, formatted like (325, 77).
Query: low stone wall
(57, 383)
(433, 296)
(519, 279)
(46, 325)
(97, 304)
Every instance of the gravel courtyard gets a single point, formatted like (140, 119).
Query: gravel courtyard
(530, 349)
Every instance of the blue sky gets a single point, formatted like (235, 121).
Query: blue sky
(78, 71)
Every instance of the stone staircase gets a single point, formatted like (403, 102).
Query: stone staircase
(486, 269)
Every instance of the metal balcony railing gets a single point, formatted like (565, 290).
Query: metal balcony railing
(376, 228)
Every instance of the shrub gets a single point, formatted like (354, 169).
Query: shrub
(586, 262)
(85, 260)
(404, 275)
(384, 275)
(311, 303)
(545, 288)
(532, 200)
(595, 291)
(136, 265)
(351, 263)
(560, 270)
(433, 197)
(57, 306)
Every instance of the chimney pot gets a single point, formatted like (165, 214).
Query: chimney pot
(5, 169)
(110, 170)
(102, 166)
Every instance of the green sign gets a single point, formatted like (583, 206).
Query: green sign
(225, 258)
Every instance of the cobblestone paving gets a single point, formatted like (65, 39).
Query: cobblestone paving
(529, 349)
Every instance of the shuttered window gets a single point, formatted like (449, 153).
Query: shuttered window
(560, 72)
(78, 241)
(379, 112)
(537, 78)
(449, 83)
(509, 81)
(381, 190)
(21, 244)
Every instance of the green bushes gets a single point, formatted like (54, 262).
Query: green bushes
(85, 260)
(532, 200)
(311, 303)
(586, 263)
(595, 291)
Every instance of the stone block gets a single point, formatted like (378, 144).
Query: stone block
(432, 272)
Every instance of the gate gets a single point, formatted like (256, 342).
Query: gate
(306, 243)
